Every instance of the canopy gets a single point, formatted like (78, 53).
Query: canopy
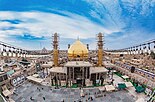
(63, 83)
(125, 77)
(102, 88)
(6, 93)
(10, 72)
(109, 87)
(38, 80)
(140, 89)
(88, 82)
(24, 62)
(121, 85)
(35, 75)
(48, 65)
(58, 70)
(81, 93)
(98, 70)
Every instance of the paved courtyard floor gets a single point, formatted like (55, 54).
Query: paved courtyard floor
(37, 92)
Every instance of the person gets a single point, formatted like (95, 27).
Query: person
(31, 98)
(91, 98)
(112, 82)
(44, 98)
(88, 98)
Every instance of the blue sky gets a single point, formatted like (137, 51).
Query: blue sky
(30, 23)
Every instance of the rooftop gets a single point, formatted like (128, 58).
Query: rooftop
(58, 70)
(78, 64)
(98, 70)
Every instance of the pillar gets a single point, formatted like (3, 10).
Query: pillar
(4, 51)
(73, 73)
(82, 76)
(140, 50)
(144, 48)
(47, 70)
(149, 48)
(137, 51)
(11, 53)
(131, 51)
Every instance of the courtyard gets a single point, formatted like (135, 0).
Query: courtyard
(29, 92)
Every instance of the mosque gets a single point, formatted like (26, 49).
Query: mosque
(78, 70)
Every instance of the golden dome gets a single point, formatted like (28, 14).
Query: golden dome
(78, 50)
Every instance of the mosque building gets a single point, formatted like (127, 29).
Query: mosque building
(78, 70)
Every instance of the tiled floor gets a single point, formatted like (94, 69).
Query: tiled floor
(28, 90)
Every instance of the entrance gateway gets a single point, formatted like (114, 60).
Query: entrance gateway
(78, 73)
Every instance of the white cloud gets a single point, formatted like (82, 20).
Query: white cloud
(45, 24)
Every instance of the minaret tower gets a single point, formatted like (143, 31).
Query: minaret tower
(55, 49)
(100, 49)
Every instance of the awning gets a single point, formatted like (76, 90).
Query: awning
(58, 70)
(35, 75)
(109, 87)
(121, 85)
(140, 89)
(98, 70)
(38, 80)
(88, 82)
(48, 65)
(81, 93)
(63, 83)
(125, 77)
(114, 71)
(6, 93)
(10, 72)
(102, 88)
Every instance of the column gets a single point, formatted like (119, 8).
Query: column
(139, 50)
(73, 73)
(154, 47)
(66, 80)
(60, 79)
(144, 49)
(86, 72)
(43, 71)
(131, 50)
(99, 78)
(56, 79)
(83, 76)
(128, 51)
(12, 52)
(70, 77)
(149, 48)
(47, 70)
